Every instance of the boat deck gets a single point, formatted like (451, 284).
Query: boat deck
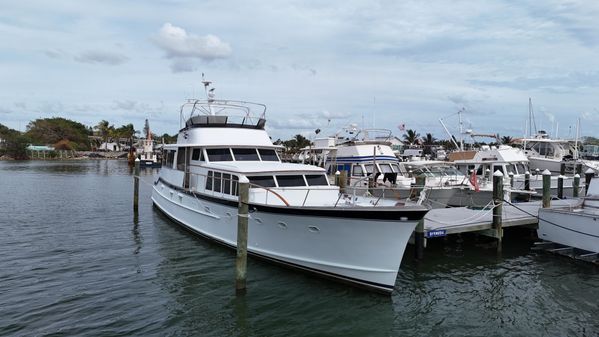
(445, 221)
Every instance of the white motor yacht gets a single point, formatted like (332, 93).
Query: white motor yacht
(297, 217)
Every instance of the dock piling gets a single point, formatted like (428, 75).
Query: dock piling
(588, 175)
(419, 239)
(136, 188)
(576, 185)
(562, 169)
(546, 189)
(498, 209)
(560, 186)
(242, 236)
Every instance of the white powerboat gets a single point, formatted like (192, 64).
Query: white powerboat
(577, 226)
(296, 217)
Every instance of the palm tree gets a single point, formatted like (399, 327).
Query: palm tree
(104, 129)
(428, 141)
(411, 136)
(506, 140)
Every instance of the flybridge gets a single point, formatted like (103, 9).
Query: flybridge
(221, 113)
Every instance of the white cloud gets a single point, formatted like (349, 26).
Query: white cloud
(101, 57)
(183, 47)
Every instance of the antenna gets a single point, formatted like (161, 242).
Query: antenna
(209, 92)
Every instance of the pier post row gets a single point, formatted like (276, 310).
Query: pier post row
(576, 186)
(546, 189)
(498, 208)
(242, 236)
(136, 187)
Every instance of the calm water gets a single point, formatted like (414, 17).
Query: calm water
(73, 261)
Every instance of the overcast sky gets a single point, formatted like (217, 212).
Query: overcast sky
(315, 64)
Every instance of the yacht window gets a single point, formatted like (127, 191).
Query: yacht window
(368, 168)
(479, 171)
(219, 154)
(290, 181)
(226, 183)
(245, 154)
(196, 154)
(209, 180)
(235, 186)
(522, 168)
(317, 180)
(385, 168)
(170, 158)
(264, 181)
(358, 171)
(397, 169)
(268, 155)
(217, 181)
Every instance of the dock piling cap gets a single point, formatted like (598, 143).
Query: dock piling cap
(497, 174)
(243, 180)
(546, 172)
(589, 171)
(577, 175)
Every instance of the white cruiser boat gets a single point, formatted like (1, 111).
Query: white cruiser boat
(296, 217)
(511, 162)
(371, 167)
(545, 153)
(577, 226)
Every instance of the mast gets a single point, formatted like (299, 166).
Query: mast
(531, 119)
(461, 130)
(576, 141)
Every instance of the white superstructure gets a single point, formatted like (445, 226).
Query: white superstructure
(296, 217)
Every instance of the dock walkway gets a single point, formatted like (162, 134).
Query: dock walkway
(445, 221)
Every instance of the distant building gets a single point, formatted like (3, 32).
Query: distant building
(110, 146)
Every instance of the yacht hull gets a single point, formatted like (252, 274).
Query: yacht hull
(571, 228)
(347, 247)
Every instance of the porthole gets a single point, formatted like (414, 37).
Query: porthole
(282, 225)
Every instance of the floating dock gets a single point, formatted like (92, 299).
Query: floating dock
(446, 221)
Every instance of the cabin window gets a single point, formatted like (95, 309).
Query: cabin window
(368, 168)
(196, 154)
(264, 181)
(397, 169)
(291, 181)
(385, 168)
(219, 154)
(209, 180)
(226, 183)
(357, 171)
(217, 182)
(235, 185)
(268, 155)
(317, 180)
(170, 158)
(246, 155)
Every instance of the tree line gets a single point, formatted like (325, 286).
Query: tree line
(63, 134)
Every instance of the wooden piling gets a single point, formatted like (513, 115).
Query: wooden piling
(546, 189)
(560, 186)
(527, 181)
(419, 239)
(498, 208)
(342, 181)
(337, 173)
(562, 169)
(242, 236)
(511, 174)
(136, 188)
(578, 169)
(576, 185)
(588, 176)
(419, 185)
